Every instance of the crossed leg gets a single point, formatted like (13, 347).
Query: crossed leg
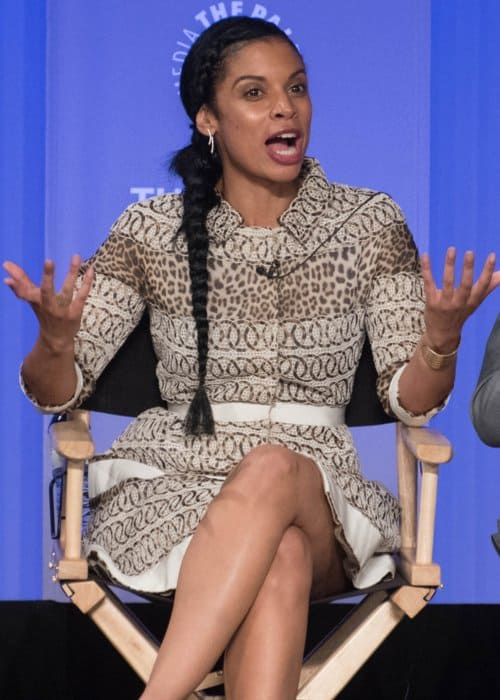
(265, 545)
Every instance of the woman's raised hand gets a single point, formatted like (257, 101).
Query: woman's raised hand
(59, 313)
(447, 309)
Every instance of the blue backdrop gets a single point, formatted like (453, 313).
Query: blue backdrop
(405, 101)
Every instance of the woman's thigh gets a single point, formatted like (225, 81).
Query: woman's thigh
(300, 480)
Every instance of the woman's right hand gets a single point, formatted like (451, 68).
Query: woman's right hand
(59, 313)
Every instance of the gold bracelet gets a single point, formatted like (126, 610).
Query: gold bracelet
(435, 360)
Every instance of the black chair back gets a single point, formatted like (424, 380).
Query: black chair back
(129, 384)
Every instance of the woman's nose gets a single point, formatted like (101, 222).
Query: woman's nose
(283, 108)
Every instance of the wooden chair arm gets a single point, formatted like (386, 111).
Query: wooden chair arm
(427, 445)
(429, 448)
(71, 438)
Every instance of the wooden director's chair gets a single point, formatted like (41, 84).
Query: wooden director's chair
(129, 386)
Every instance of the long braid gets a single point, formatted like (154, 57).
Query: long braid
(200, 171)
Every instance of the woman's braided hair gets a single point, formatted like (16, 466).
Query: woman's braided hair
(200, 171)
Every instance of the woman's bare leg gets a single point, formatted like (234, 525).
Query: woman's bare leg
(264, 658)
(230, 557)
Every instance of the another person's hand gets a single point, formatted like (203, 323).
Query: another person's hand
(59, 313)
(447, 309)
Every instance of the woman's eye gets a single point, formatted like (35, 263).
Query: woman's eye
(253, 92)
(299, 89)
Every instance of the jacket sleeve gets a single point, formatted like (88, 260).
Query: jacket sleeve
(395, 308)
(112, 310)
(485, 404)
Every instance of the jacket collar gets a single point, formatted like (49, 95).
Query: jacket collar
(301, 214)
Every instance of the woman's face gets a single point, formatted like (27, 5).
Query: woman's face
(262, 113)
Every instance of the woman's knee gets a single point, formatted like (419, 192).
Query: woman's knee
(266, 471)
(269, 468)
(274, 473)
(267, 457)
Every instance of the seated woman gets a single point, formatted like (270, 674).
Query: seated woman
(485, 404)
(262, 281)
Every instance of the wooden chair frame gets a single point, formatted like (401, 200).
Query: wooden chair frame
(340, 655)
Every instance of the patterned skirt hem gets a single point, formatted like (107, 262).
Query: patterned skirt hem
(364, 564)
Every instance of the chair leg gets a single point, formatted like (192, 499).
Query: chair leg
(325, 672)
(332, 665)
(124, 633)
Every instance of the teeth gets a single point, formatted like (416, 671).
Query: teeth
(287, 136)
(287, 151)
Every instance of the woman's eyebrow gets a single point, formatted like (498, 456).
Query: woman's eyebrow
(248, 77)
(262, 78)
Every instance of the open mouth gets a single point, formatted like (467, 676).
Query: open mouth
(284, 144)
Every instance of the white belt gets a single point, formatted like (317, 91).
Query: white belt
(280, 412)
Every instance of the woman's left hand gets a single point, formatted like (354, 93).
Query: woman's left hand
(447, 309)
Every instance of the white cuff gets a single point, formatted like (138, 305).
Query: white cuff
(54, 409)
(401, 413)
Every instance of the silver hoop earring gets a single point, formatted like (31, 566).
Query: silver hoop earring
(211, 142)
